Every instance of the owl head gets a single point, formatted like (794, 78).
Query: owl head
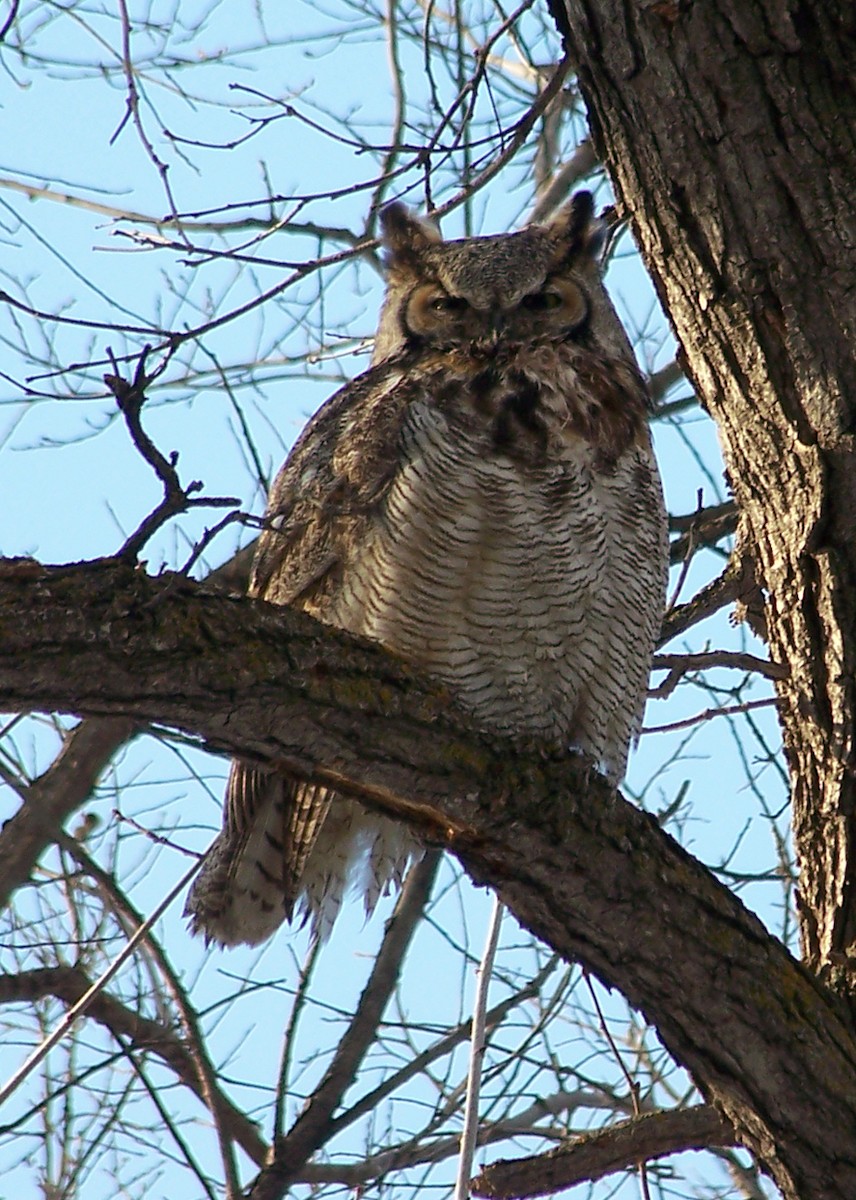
(541, 283)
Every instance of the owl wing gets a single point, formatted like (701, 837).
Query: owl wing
(320, 505)
(329, 488)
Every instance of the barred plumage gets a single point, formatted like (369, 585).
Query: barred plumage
(483, 501)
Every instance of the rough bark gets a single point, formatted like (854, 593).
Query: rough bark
(619, 1147)
(729, 130)
(595, 878)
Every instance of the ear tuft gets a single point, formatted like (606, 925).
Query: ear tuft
(405, 236)
(576, 230)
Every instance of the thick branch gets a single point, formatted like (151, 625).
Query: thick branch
(593, 1155)
(71, 779)
(593, 877)
(54, 796)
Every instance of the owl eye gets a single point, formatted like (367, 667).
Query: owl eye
(448, 304)
(542, 301)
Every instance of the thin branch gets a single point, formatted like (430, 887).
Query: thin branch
(79, 322)
(33, 191)
(69, 984)
(399, 96)
(710, 599)
(705, 527)
(632, 1085)
(708, 714)
(581, 163)
(288, 1037)
(478, 1044)
(132, 109)
(10, 20)
(678, 665)
(418, 1063)
(130, 398)
(54, 796)
(747, 1179)
(312, 1127)
(81, 1006)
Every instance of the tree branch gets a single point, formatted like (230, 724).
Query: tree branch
(593, 877)
(312, 1128)
(704, 528)
(54, 796)
(69, 984)
(70, 780)
(417, 1150)
(593, 1155)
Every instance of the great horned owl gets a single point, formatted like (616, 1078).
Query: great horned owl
(483, 501)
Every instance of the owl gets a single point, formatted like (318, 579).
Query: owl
(484, 502)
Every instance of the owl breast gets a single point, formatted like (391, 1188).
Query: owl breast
(508, 558)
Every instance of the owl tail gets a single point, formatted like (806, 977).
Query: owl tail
(251, 876)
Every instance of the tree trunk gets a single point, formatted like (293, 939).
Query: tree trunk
(729, 130)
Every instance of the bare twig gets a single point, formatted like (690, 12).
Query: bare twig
(727, 710)
(132, 106)
(79, 322)
(10, 20)
(81, 1006)
(130, 398)
(478, 1044)
(632, 1085)
(312, 1126)
(288, 1036)
(400, 101)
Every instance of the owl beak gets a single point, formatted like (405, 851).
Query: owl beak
(497, 319)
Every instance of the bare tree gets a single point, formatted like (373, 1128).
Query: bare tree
(728, 135)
